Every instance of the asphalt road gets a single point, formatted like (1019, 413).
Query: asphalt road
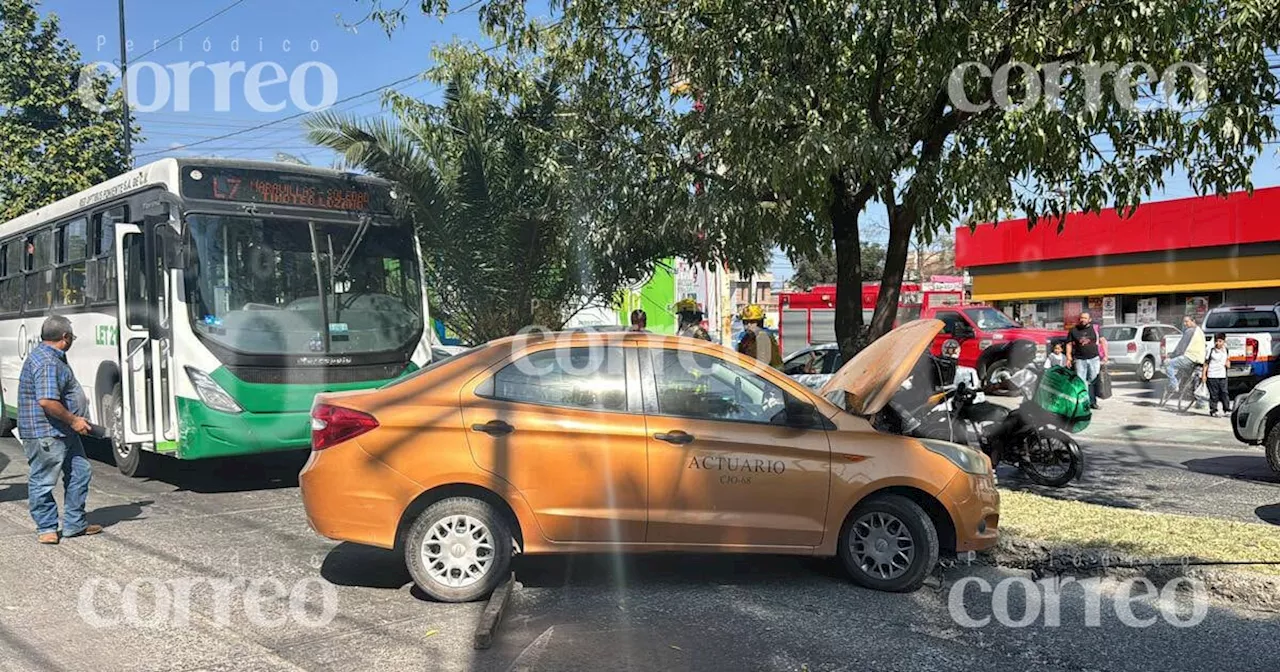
(99, 603)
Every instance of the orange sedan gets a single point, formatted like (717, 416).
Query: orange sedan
(634, 442)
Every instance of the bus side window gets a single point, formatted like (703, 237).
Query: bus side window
(39, 266)
(69, 285)
(102, 267)
(11, 277)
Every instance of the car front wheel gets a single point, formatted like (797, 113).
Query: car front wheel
(889, 543)
(1272, 444)
(458, 549)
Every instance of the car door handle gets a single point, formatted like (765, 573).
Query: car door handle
(494, 428)
(677, 437)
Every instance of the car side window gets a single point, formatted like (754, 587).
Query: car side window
(1152, 335)
(800, 364)
(831, 361)
(590, 378)
(698, 385)
(949, 322)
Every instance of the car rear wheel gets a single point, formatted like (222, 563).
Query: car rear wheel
(458, 549)
(1147, 370)
(889, 543)
(1272, 444)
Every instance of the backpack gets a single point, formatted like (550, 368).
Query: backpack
(1065, 397)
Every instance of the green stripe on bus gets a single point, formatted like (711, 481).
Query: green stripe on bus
(282, 397)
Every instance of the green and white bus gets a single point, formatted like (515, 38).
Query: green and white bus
(213, 299)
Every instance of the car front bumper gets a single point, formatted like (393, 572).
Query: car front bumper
(974, 504)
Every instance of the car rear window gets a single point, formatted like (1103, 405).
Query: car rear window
(1119, 333)
(1242, 319)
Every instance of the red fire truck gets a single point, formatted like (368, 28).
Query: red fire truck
(805, 318)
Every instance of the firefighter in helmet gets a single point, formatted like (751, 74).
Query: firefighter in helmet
(757, 341)
(689, 320)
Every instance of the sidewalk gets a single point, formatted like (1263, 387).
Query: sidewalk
(1132, 415)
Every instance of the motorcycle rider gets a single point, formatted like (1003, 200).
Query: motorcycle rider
(753, 343)
(689, 320)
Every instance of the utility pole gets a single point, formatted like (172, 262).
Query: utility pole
(124, 93)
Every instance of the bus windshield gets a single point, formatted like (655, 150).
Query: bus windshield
(256, 285)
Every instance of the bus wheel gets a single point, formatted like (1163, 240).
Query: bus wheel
(131, 460)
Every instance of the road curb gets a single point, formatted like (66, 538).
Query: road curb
(1238, 587)
(491, 617)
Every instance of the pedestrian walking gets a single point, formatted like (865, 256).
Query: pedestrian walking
(1215, 376)
(50, 422)
(1084, 354)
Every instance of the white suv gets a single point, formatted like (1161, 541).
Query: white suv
(1256, 419)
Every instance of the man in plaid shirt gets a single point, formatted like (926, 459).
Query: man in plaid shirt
(50, 422)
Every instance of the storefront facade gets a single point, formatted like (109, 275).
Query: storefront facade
(1167, 259)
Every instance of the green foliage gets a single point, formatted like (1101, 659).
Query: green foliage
(51, 143)
(812, 110)
(493, 185)
(821, 269)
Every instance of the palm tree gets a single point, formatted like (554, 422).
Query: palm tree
(485, 183)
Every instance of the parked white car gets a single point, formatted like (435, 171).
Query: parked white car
(1136, 347)
(1256, 419)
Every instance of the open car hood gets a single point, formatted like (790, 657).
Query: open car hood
(872, 377)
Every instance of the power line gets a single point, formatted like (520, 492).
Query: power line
(179, 36)
(282, 120)
(333, 107)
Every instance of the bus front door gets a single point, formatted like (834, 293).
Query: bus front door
(146, 350)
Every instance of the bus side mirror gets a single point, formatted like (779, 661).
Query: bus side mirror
(170, 246)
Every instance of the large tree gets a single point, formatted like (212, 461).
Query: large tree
(793, 117)
(491, 182)
(56, 137)
(821, 269)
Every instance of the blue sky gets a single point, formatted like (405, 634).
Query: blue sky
(290, 33)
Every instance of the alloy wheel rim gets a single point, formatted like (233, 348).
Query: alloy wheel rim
(882, 545)
(458, 551)
(1148, 369)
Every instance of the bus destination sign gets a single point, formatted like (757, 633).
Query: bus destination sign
(269, 187)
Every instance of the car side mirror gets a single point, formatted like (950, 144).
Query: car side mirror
(802, 415)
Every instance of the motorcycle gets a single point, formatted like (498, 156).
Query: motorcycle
(1028, 437)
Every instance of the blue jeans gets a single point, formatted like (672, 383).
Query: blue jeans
(1177, 366)
(1088, 370)
(46, 457)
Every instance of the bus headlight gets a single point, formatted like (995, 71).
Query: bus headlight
(211, 393)
(966, 458)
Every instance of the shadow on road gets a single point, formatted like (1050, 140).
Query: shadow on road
(1269, 513)
(351, 564)
(107, 516)
(1239, 467)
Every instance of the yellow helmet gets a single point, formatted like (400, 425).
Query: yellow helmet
(753, 313)
(687, 305)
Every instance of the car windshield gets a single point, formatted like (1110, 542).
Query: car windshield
(266, 286)
(988, 319)
(1119, 333)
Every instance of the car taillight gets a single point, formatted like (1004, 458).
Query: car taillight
(331, 425)
(1164, 350)
(1251, 349)
(1133, 347)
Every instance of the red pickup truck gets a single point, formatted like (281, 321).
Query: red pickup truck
(985, 334)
